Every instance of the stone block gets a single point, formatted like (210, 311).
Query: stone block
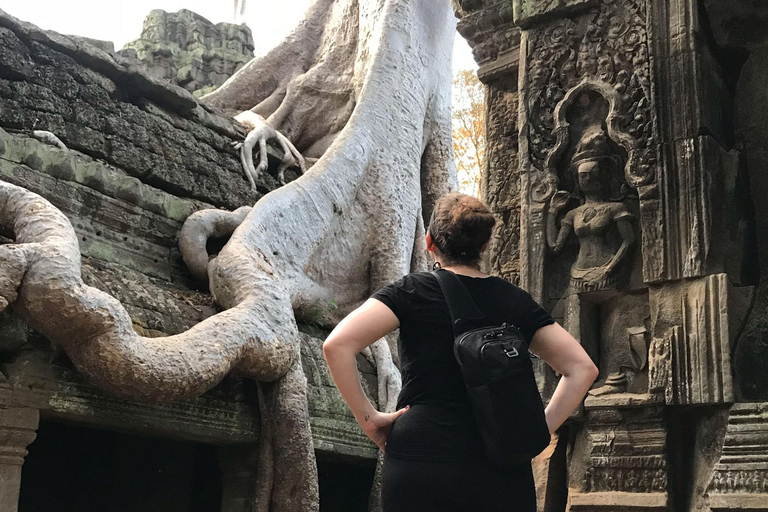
(694, 323)
(531, 12)
(621, 452)
(740, 478)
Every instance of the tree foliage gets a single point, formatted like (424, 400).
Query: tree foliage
(468, 129)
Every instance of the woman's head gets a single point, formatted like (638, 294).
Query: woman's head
(460, 227)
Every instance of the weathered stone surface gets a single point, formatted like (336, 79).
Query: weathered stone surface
(17, 430)
(740, 478)
(699, 321)
(752, 134)
(738, 23)
(189, 50)
(489, 29)
(529, 12)
(693, 161)
(621, 450)
(128, 235)
(501, 177)
(118, 115)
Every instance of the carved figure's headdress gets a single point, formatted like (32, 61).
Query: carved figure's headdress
(593, 145)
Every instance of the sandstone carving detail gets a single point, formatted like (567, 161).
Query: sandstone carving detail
(632, 202)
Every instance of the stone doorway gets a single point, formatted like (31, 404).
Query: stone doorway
(73, 468)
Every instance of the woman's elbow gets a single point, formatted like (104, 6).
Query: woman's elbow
(591, 370)
(329, 348)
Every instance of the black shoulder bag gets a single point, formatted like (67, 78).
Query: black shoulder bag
(499, 377)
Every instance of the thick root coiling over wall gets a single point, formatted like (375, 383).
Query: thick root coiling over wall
(96, 332)
(367, 86)
(199, 228)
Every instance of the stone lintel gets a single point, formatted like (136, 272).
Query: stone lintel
(535, 12)
(506, 65)
(736, 502)
(623, 400)
(618, 502)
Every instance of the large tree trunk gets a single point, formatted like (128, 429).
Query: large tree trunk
(366, 85)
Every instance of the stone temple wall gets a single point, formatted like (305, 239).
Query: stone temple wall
(142, 155)
(626, 160)
(189, 50)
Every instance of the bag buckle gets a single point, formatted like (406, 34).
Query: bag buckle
(511, 352)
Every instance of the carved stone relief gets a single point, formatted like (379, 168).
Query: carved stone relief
(588, 166)
(741, 475)
(626, 115)
(569, 61)
(489, 29)
(528, 12)
(624, 449)
(501, 179)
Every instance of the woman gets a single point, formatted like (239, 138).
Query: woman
(434, 459)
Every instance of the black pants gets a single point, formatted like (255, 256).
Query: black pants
(425, 486)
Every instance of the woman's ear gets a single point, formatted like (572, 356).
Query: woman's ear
(484, 247)
(430, 242)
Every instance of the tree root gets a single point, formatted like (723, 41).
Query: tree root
(96, 331)
(13, 265)
(41, 278)
(262, 132)
(370, 87)
(199, 228)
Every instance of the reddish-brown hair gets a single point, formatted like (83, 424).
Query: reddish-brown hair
(460, 226)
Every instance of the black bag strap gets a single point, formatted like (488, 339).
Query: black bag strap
(461, 306)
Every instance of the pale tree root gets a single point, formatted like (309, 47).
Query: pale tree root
(262, 131)
(199, 228)
(265, 79)
(13, 266)
(288, 478)
(304, 88)
(40, 277)
(335, 234)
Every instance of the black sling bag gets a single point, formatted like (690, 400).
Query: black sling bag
(499, 377)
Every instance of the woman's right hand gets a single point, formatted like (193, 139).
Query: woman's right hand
(377, 425)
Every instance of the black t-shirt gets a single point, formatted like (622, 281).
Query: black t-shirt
(439, 424)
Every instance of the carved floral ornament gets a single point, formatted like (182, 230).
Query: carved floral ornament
(634, 174)
(609, 46)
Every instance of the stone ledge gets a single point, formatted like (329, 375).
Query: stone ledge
(619, 502)
(735, 502)
(90, 56)
(214, 418)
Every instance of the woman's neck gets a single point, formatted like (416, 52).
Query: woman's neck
(464, 270)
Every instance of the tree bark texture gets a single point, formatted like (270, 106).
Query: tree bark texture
(363, 85)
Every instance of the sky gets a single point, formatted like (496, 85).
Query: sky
(120, 21)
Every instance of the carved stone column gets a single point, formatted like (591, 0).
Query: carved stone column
(622, 457)
(495, 41)
(18, 427)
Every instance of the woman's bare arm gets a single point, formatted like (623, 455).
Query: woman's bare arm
(566, 356)
(364, 326)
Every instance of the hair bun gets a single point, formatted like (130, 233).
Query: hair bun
(461, 225)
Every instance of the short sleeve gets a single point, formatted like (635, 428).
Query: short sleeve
(532, 316)
(392, 297)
